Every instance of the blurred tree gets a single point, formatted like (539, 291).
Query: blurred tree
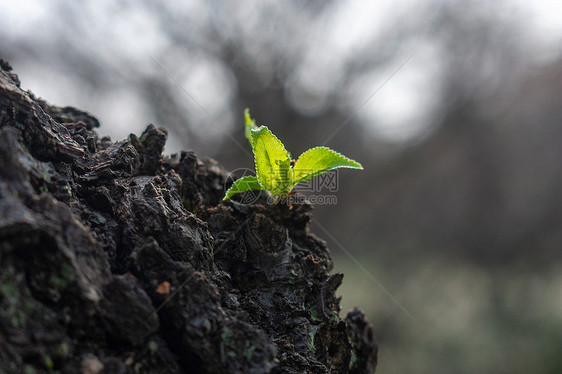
(472, 176)
(458, 188)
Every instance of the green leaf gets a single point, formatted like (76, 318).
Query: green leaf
(320, 160)
(247, 183)
(273, 163)
(249, 126)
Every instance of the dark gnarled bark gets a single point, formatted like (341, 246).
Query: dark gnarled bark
(115, 259)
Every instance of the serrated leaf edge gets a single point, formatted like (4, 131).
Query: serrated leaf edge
(226, 195)
(260, 181)
(319, 172)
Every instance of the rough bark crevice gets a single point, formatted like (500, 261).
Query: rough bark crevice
(114, 258)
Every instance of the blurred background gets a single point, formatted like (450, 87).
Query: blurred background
(451, 238)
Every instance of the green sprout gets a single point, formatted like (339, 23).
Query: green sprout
(275, 171)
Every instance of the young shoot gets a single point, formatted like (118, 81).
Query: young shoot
(275, 171)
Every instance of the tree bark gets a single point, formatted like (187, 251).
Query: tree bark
(116, 259)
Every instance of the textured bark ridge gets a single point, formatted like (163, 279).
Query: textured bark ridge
(116, 259)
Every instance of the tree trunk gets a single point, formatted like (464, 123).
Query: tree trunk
(116, 259)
